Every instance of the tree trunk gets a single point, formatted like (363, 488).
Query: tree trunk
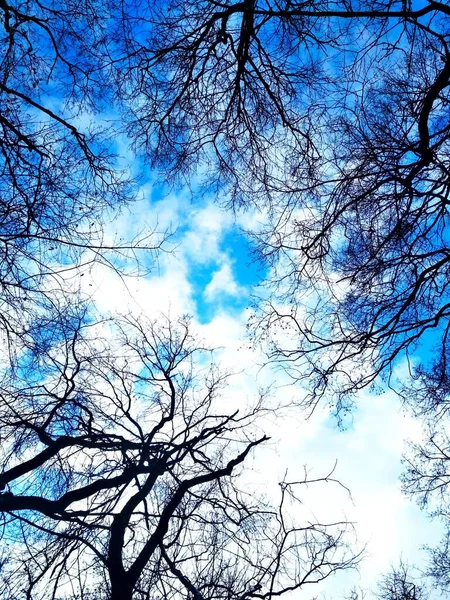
(121, 589)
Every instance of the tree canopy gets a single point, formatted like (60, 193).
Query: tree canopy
(329, 120)
(328, 117)
(121, 473)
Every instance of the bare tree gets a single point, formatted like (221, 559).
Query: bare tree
(245, 85)
(332, 120)
(426, 479)
(400, 584)
(329, 117)
(121, 470)
(360, 261)
(60, 179)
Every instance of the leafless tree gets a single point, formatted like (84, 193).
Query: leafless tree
(426, 479)
(331, 118)
(400, 584)
(60, 181)
(359, 263)
(122, 476)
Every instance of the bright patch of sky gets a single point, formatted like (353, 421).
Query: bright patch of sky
(209, 275)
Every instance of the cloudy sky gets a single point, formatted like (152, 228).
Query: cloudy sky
(209, 275)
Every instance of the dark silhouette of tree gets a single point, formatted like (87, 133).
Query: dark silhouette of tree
(60, 181)
(331, 118)
(426, 479)
(427, 470)
(121, 475)
(400, 584)
(360, 265)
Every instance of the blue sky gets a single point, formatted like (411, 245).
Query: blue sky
(234, 263)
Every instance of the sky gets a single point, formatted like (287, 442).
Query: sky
(209, 275)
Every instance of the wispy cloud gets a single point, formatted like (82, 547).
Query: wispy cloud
(223, 284)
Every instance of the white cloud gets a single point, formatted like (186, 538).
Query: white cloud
(222, 282)
(206, 227)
